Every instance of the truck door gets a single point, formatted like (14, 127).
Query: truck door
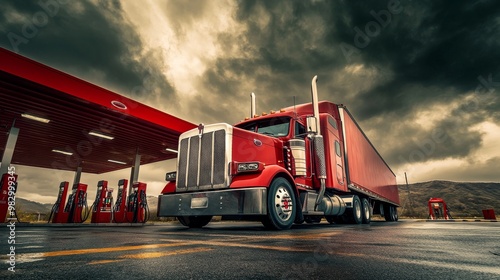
(337, 149)
(339, 161)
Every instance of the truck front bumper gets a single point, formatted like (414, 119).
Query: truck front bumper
(247, 201)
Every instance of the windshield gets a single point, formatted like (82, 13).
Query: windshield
(276, 127)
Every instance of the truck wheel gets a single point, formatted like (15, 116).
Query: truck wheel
(194, 221)
(280, 205)
(390, 213)
(355, 214)
(367, 213)
(395, 216)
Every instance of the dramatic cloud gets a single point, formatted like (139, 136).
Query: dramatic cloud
(389, 61)
(92, 41)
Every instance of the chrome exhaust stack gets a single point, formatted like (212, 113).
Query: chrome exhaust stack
(252, 105)
(319, 144)
(314, 94)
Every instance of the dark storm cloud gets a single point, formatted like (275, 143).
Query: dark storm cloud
(283, 46)
(183, 16)
(419, 53)
(91, 41)
(433, 44)
(448, 138)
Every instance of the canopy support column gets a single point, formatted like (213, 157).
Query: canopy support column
(9, 149)
(134, 173)
(78, 175)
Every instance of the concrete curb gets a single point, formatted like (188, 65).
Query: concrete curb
(459, 220)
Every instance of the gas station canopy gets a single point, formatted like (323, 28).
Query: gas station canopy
(66, 123)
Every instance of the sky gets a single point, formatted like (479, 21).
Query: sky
(422, 78)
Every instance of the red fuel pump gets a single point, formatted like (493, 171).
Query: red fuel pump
(77, 204)
(137, 204)
(8, 190)
(57, 213)
(101, 208)
(438, 209)
(119, 209)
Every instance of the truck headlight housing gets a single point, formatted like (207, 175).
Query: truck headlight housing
(250, 166)
(171, 176)
(242, 167)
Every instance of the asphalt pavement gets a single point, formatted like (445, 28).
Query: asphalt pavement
(245, 250)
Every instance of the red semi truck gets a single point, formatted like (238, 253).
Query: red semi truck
(301, 163)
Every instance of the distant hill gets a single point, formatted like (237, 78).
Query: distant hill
(28, 206)
(463, 199)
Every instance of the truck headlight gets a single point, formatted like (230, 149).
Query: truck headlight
(248, 166)
(171, 176)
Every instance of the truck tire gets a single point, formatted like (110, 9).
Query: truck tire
(395, 216)
(355, 214)
(366, 211)
(194, 221)
(390, 213)
(281, 203)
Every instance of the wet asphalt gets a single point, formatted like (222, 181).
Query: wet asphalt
(245, 250)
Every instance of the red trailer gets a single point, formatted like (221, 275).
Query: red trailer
(368, 173)
(301, 163)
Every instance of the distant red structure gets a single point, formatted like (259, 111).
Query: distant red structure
(438, 209)
(489, 214)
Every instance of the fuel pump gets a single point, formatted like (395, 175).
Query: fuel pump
(77, 204)
(438, 209)
(57, 213)
(8, 188)
(101, 208)
(119, 209)
(137, 204)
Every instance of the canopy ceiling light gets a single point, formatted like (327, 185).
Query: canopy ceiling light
(116, 161)
(101, 135)
(62, 152)
(38, 119)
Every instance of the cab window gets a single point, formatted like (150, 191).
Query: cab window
(276, 127)
(300, 130)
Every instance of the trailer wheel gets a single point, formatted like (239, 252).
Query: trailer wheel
(390, 213)
(395, 216)
(194, 221)
(280, 205)
(355, 214)
(367, 213)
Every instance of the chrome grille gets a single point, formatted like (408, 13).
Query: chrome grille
(206, 160)
(202, 162)
(219, 175)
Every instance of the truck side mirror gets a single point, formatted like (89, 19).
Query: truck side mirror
(312, 125)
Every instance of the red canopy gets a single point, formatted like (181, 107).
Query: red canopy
(70, 109)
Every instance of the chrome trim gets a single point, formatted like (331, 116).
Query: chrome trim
(192, 159)
(248, 201)
(199, 160)
(213, 165)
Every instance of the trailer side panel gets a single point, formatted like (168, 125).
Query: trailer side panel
(366, 168)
